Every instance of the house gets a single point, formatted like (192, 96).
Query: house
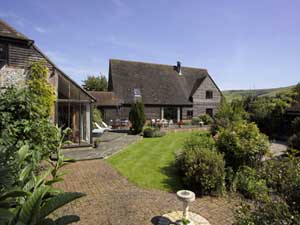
(294, 110)
(73, 104)
(108, 103)
(172, 92)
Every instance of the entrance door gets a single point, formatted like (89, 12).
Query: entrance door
(170, 113)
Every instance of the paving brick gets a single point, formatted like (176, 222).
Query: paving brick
(112, 200)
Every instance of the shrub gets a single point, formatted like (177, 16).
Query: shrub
(294, 143)
(202, 166)
(24, 120)
(269, 114)
(31, 198)
(149, 132)
(206, 119)
(187, 122)
(195, 121)
(37, 82)
(27, 136)
(296, 125)
(153, 132)
(137, 117)
(199, 140)
(242, 145)
(96, 116)
(269, 213)
(284, 178)
(248, 183)
(227, 115)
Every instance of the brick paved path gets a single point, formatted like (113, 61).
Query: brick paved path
(112, 200)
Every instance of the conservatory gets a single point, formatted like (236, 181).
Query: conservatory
(73, 110)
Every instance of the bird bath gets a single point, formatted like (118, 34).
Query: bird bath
(186, 197)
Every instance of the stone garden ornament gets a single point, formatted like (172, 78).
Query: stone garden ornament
(185, 217)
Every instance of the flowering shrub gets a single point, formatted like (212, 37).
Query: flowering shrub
(284, 178)
(269, 213)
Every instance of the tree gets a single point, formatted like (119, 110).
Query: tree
(95, 83)
(228, 114)
(137, 117)
(96, 116)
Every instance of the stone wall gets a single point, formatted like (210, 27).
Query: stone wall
(200, 103)
(12, 76)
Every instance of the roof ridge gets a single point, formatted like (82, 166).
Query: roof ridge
(158, 64)
(13, 30)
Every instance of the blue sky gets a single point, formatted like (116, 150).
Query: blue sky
(243, 44)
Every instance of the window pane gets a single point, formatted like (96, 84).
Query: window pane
(85, 124)
(170, 113)
(75, 122)
(209, 94)
(63, 88)
(190, 114)
(63, 115)
(84, 96)
(209, 112)
(74, 91)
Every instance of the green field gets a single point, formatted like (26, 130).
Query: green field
(238, 94)
(150, 162)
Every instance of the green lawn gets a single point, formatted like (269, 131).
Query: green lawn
(149, 162)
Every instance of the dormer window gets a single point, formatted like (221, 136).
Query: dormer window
(209, 95)
(137, 92)
(3, 54)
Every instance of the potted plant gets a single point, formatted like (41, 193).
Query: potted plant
(180, 123)
(96, 143)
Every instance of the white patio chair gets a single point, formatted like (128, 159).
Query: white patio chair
(105, 125)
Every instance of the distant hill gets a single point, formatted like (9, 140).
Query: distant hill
(238, 94)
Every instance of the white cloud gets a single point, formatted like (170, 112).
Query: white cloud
(40, 29)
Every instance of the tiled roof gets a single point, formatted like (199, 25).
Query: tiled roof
(9, 32)
(105, 98)
(159, 84)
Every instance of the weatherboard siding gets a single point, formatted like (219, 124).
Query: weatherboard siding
(200, 103)
(22, 56)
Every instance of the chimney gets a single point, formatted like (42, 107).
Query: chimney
(179, 68)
